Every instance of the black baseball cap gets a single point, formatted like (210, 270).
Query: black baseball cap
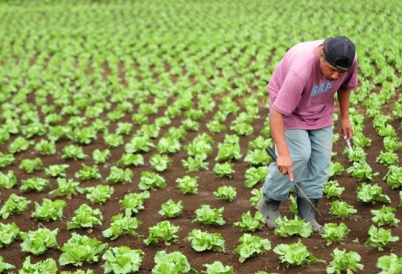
(339, 52)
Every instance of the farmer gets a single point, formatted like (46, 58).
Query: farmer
(301, 93)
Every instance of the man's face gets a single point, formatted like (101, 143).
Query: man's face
(331, 73)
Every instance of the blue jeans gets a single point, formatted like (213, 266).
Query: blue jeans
(311, 155)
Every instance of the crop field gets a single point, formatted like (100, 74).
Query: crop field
(133, 136)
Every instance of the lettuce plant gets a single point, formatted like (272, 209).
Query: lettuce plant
(387, 158)
(202, 241)
(67, 187)
(149, 130)
(160, 162)
(5, 266)
(8, 233)
(242, 128)
(119, 175)
(163, 231)
(79, 249)
(4, 135)
(385, 216)
(49, 210)
(335, 169)
(85, 217)
(341, 209)
(56, 170)
(380, 237)
(19, 144)
(38, 241)
(174, 262)
(225, 193)
(34, 183)
(257, 157)
(99, 193)
(224, 170)
(30, 165)
(295, 254)
(57, 133)
(199, 148)
(332, 189)
(139, 144)
(362, 171)
(171, 209)
(112, 139)
(394, 176)
(131, 159)
(45, 266)
(178, 133)
(251, 245)
(101, 156)
(33, 129)
(389, 264)
(289, 227)
(151, 180)
(45, 147)
(215, 126)
(6, 159)
(256, 196)
(73, 152)
(133, 202)
(229, 149)
(190, 125)
(188, 184)
(124, 128)
(371, 194)
(122, 259)
(392, 143)
(250, 223)
(344, 261)
(218, 267)
(168, 145)
(358, 155)
(255, 175)
(207, 215)
(334, 233)
(13, 205)
(8, 180)
(121, 226)
(193, 164)
(88, 173)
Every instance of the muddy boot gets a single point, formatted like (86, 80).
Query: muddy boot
(307, 213)
(270, 210)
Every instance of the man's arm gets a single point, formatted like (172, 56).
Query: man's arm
(345, 130)
(284, 161)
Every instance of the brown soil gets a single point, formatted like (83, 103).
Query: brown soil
(359, 223)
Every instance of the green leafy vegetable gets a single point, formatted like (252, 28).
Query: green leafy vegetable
(251, 245)
(207, 215)
(122, 259)
(344, 261)
(79, 249)
(84, 217)
(163, 231)
(37, 242)
(121, 226)
(295, 254)
(202, 241)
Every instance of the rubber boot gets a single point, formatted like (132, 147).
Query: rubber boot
(269, 208)
(307, 213)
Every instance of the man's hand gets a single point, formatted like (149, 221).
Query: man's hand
(346, 130)
(284, 163)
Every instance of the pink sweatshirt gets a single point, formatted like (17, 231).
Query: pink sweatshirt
(299, 90)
